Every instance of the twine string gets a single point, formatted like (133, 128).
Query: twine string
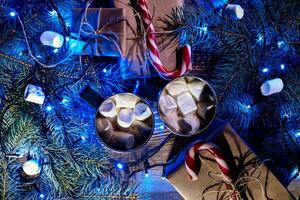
(241, 184)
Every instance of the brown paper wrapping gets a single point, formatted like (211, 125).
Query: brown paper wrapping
(107, 21)
(158, 9)
(233, 147)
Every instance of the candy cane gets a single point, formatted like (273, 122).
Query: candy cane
(194, 169)
(153, 49)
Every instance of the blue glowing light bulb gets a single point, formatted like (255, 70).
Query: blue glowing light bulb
(67, 39)
(55, 50)
(248, 106)
(120, 165)
(49, 108)
(204, 28)
(146, 175)
(53, 12)
(260, 37)
(163, 178)
(265, 70)
(65, 101)
(280, 44)
(42, 196)
(83, 138)
(104, 70)
(12, 14)
(282, 66)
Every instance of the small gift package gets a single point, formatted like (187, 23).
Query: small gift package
(102, 31)
(221, 166)
(135, 35)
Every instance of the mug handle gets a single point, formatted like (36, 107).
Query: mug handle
(91, 96)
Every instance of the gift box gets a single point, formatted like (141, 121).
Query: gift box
(135, 44)
(103, 31)
(252, 180)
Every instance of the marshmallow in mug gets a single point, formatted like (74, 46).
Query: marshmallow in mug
(125, 118)
(177, 87)
(142, 111)
(108, 109)
(140, 130)
(172, 120)
(196, 88)
(190, 123)
(167, 104)
(122, 139)
(186, 103)
(125, 101)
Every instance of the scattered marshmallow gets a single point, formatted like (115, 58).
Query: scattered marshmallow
(108, 109)
(234, 11)
(53, 39)
(190, 123)
(271, 87)
(196, 89)
(142, 111)
(34, 94)
(167, 104)
(125, 118)
(186, 103)
(125, 100)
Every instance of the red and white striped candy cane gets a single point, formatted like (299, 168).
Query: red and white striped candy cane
(194, 169)
(153, 49)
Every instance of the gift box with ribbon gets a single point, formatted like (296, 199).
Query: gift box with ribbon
(102, 31)
(147, 39)
(219, 165)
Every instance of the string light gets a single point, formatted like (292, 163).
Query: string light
(67, 39)
(260, 38)
(146, 175)
(104, 70)
(12, 14)
(65, 101)
(265, 70)
(282, 66)
(83, 138)
(248, 106)
(49, 108)
(55, 50)
(42, 196)
(53, 12)
(280, 44)
(204, 29)
(120, 166)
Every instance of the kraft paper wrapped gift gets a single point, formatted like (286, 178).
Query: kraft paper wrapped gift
(135, 46)
(106, 35)
(260, 183)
